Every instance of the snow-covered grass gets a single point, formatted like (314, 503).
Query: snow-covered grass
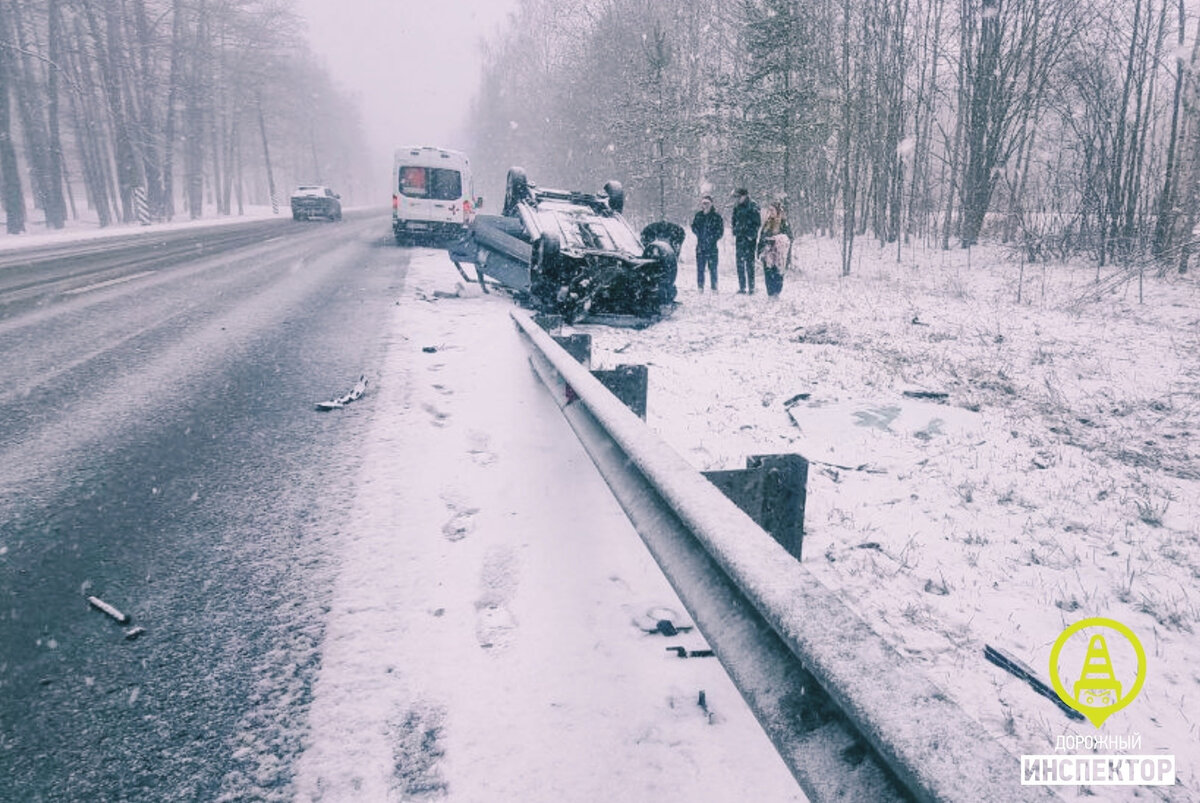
(1058, 480)
(87, 227)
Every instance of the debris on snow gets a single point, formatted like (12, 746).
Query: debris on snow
(101, 605)
(132, 633)
(353, 395)
(459, 291)
(936, 395)
(684, 652)
(1015, 666)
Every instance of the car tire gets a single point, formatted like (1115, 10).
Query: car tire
(542, 283)
(662, 251)
(616, 196)
(516, 189)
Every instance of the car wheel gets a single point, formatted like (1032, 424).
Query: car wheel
(616, 196)
(543, 281)
(662, 251)
(516, 189)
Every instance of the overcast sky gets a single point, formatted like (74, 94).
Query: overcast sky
(414, 64)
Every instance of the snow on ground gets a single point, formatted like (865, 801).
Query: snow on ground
(88, 228)
(1060, 479)
(486, 638)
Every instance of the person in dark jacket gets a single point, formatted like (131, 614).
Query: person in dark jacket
(745, 222)
(709, 227)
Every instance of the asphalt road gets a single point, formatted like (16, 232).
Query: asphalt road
(159, 449)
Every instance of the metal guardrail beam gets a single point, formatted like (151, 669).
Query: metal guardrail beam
(852, 718)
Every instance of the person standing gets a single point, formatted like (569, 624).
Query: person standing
(774, 245)
(709, 227)
(745, 222)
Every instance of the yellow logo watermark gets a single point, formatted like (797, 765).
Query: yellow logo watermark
(1111, 673)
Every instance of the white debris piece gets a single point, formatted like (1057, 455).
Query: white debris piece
(100, 604)
(353, 395)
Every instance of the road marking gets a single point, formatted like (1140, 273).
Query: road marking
(109, 283)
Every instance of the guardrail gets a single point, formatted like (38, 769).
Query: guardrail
(851, 717)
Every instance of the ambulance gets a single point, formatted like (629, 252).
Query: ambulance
(433, 196)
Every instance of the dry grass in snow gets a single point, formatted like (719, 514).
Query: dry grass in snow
(1059, 479)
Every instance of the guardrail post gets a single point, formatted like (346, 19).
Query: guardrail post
(629, 384)
(578, 346)
(771, 490)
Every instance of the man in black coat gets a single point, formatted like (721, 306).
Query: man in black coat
(709, 227)
(745, 223)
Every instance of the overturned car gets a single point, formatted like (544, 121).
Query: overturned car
(572, 253)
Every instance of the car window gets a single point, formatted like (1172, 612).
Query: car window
(433, 183)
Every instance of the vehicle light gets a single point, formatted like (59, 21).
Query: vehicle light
(395, 201)
(467, 211)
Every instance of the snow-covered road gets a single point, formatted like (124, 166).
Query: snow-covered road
(484, 639)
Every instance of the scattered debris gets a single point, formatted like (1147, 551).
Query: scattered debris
(870, 545)
(936, 395)
(132, 633)
(916, 321)
(100, 604)
(1015, 666)
(865, 467)
(661, 619)
(767, 398)
(429, 349)
(668, 628)
(709, 714)
(353, 395)
(684, 652)
(819, 335)
(941, 589)
(799, 397)
(458, 291)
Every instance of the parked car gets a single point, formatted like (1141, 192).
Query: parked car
(571, 253)
(314, 200)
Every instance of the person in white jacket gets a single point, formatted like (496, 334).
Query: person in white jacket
(774, 246)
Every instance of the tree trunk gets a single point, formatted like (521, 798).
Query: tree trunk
(47, 193)
(58, 175)
(1166, 199)
(848, 177)
(262, 128)
(10, 178)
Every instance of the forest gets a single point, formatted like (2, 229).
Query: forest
(145, 110)
(1064, 128)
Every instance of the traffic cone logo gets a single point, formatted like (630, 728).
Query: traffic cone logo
(1098, 691)
(1097, 686)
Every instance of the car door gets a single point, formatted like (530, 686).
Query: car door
(429, 194)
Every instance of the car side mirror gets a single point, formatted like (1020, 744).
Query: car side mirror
(338, 196)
